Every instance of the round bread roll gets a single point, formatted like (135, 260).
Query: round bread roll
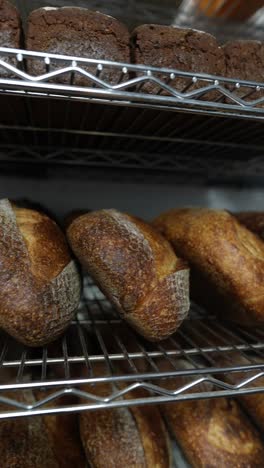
(227, 261)
(39, 282)
(253, 220)
(136, 268)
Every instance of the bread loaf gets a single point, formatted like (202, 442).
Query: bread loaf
(24, 442)
(124, 437)
(39, 282)
(245, 61)
(63, 432)
(227, 261)
(10, 33)
(81, 33)
(214, 432)
(182, 49)
(136, 269)
(253, 404)
(253, 220)
(50, 441)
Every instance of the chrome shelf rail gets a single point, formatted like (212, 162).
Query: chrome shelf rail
(59, 72)
(211, 129)
(69, 368)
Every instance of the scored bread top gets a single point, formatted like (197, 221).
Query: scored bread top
(126, 253)
(39, 283)
(135, 267)
(223, 252)
(253, 220)
(46, 245)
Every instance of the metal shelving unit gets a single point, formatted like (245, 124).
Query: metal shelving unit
(211, 129)
(69, 368)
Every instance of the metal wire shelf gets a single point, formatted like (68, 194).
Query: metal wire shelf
(59, 72)
(69, 368)
(120, 127)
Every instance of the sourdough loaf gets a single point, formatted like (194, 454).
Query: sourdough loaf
(123, 437)
(39, 282)
(253, 404)
(253, 220)
(136, 268)
(212, 432)
(63, 432)
(24, 441)
(227, 261)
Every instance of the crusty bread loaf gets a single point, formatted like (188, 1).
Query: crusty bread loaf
(39, 282)
(50, 441)
(77, 32)
(24, 442)
(227, 261)
(136, 268)
(10, 34)
(253, 404)
(253, 220)
(245, 61)
(63, 432)
(214, 432)
(124, 437)
(176, 48)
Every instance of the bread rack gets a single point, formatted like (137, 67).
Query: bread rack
(66, 368)
(122, 128)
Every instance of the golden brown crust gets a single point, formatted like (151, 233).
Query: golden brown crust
(63, 433)
(136, 268)
(111, 432)
(40, 285)
(131, 437)
(253, 220)
(218, 247)
(24, 441)
(46, 244)
(212, 432)
(153, 435)
(253, 404)
(215, 433)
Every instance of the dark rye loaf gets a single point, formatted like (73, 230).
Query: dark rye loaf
(10, 32)
(245, 61)
(77, 32)
(187, 50)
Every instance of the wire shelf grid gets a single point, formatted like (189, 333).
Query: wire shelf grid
(213, 94)
(49, 120)
(99, 349)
